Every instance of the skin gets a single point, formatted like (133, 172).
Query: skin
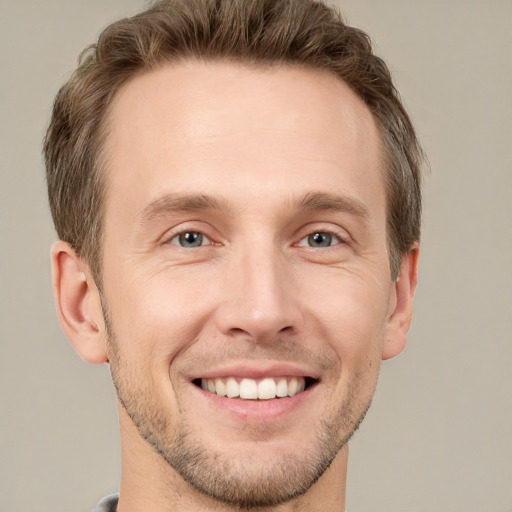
(281, 154)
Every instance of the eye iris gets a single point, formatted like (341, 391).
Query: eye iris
(320, 240)
(191, 239)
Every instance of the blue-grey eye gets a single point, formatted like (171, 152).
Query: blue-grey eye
(319, 239)
(189, 239)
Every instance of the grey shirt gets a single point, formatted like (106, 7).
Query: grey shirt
(107, 504)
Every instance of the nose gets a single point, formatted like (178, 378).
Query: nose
(261, 301)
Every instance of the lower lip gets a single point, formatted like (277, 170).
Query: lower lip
(257, 410)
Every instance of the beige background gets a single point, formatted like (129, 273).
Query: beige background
(439, 435)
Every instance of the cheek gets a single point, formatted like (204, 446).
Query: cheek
(158, 316)
(351, 299)
(349, 311)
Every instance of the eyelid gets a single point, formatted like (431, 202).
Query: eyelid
(193, 226)
(339, 233)
(304, 242)
(205, 239)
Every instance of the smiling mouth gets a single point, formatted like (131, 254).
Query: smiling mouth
(268, 388)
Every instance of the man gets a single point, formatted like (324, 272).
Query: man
(236, 189)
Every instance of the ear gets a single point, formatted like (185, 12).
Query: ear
(400, 313)
(78, 304)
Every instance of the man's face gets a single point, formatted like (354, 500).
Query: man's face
(245, 251)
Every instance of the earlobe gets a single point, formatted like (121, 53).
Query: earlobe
(401, 308)
(78, 304)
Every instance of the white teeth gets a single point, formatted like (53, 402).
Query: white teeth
(267, 389)
(220, 388)
(282, 388)
(232, 388)
(292, 386)
(250, 389)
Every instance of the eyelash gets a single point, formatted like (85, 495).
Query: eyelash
(176, 239)
(187, 232)
(309, 238)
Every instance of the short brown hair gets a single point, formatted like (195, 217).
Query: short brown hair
(305, 33)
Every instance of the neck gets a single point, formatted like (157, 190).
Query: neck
(149, 483)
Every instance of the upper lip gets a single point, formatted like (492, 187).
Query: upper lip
(255, 370)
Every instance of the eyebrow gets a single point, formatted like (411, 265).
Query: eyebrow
(333, 202)
(312, 201)
(176, 202)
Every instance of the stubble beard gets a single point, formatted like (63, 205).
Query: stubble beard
(238, 482)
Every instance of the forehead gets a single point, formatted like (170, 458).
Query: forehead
(221, 127)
